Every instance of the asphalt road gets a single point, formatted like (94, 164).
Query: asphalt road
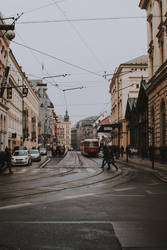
(73, 204)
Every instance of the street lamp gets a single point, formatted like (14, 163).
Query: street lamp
(63, 75)
(127, 148)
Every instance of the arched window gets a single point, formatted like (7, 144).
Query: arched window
(163, 123)
(0, 123)
(5, 128)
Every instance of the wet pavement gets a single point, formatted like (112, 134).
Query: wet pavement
(79, 206)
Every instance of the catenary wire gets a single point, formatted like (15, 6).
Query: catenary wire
(79, 35)
(86, 19)
(58, 59)
(42, 7)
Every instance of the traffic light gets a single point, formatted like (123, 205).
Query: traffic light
(9, 92)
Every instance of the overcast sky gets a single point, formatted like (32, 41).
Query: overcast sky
(84, 49)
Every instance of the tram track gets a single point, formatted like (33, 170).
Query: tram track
(96, 178)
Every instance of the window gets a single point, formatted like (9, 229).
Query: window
(2, 50)
(161, 44)
(163, 123)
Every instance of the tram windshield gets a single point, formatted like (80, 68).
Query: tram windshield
(91, 144)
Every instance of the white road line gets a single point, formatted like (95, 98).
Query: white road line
(16, 206)
(124, 189)
(78, 196)
(57, 222)
(151, 193)
(127, 195)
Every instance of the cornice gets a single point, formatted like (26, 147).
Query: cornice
(159, 76)
(143, 4)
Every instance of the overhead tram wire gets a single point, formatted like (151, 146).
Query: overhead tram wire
(86, 19)
(79, 35)
(59, 59)
(42, 7)
(38, 8)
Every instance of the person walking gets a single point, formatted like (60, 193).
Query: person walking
(122, 151)
(108, 158)
(8, 157)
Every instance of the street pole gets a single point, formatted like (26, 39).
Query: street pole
(153, 143)
(127, 144)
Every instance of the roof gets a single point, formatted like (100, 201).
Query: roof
(105, 121)
(141, 60)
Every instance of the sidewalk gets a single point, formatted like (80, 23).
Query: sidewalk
(160, 170)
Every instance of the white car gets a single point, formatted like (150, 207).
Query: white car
(21, 158)
(43, 151)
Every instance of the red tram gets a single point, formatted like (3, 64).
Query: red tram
(89, 147)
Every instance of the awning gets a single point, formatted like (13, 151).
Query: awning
(107, 128)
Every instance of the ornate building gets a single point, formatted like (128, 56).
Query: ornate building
(157, 85)
(63, 130)
(4, 70)
(125, 84)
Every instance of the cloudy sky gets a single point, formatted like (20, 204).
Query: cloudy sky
(80, 38)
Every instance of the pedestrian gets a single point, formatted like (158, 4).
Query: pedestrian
(8, 157)
(122, 151)
(108, 158)
(128, 151)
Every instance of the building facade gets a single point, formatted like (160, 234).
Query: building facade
(125, 84)
(4, 50)
(30, 117)
(85, 129)
(157, 85)
(63, 131)
(15, 104)
(46, 109)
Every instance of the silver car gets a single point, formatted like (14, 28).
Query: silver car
(43, 151)
(21, 158)
(35, 154)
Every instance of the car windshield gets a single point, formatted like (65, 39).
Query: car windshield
(20, 153)
(34, 152)
(42, 149)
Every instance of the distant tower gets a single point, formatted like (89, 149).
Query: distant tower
(66, 117)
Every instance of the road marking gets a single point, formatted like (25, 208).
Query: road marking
(16, 206)
(148, 192)
(57, 222)
(153, 184)
(124, 189)
(78, 196)
(127, 195)
(151, 193)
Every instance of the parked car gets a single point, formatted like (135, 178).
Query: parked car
(21, 158)
(43, 151)
(35, 154)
